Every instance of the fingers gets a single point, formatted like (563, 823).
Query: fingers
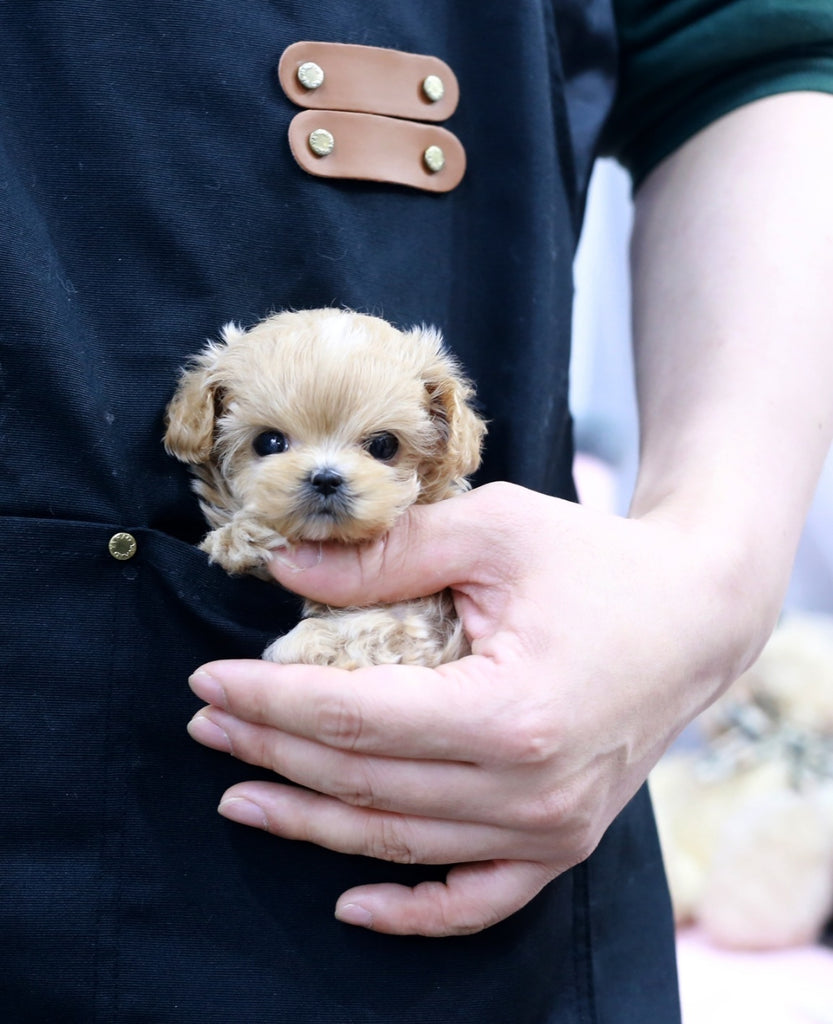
(440, 788)
(473, 897)
(430, 548)
(298, 814)
(452, 790)
(403, 711)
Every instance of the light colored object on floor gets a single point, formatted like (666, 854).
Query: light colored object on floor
(746, 822)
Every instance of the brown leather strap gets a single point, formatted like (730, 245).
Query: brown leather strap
(373, 148)
(368, 79)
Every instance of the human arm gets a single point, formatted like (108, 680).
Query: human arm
(595, 638)
(732, 257)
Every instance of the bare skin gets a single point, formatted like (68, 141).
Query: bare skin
(595, 639)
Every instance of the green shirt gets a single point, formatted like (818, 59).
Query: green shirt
(684, 63)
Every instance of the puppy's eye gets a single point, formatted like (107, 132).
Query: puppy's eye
(270, 442)
(382, 447)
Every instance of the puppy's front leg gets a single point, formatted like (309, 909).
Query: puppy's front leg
(242, 545)
(425, 631)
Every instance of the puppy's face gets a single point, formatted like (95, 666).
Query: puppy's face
(324, 424)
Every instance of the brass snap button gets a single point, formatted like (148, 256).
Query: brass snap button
(122, 546)
(434, 159)
(310, 75)
(321, 142)
(433, 88)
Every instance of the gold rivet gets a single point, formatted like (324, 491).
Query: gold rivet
(122, 546)
(321, 142)
(310, 75)
(434, 159)
(433, 88)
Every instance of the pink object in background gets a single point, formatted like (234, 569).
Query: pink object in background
(717, 986)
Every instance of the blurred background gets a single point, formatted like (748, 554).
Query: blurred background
(602, 385)
(718, 986)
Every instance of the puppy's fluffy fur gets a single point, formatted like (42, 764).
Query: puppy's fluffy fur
(325, 425)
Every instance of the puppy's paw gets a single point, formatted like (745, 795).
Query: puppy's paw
(242, 546)
(311, 642)
(411, 633)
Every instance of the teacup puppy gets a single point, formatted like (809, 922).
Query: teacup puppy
(325, 425)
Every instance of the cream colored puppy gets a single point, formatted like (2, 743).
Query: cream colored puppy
(325, 425)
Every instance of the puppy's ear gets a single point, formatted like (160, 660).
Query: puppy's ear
(460, 430)
(192, 412)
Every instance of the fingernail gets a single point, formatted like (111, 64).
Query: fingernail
(299, 557)
(352, 913)
(207, 688)
(244, 812)
(203, 730)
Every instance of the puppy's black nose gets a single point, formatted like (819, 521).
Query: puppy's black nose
(326, 481)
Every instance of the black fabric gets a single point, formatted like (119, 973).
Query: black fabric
(126, 898)
(147, 195)
(150, 196)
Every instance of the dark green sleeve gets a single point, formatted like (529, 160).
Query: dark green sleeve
(684, 63)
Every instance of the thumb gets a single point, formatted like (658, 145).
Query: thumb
(473, 897)
(429, 548)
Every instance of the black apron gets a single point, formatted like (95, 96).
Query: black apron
(148, 195)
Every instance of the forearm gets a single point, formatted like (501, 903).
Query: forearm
(733, 327)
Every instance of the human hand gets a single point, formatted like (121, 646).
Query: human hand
(594, 640)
